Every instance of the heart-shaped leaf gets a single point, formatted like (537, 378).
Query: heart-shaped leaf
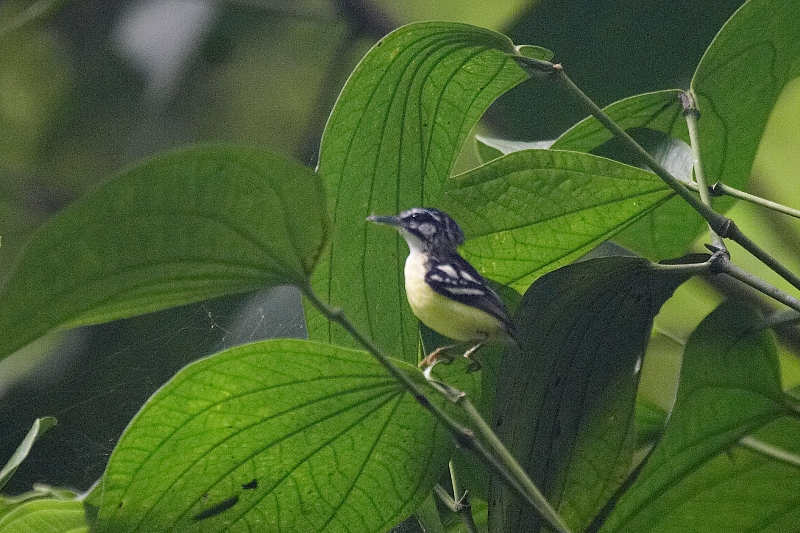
(281, 435)
(532, 211)
(184, 226)
(390, 144)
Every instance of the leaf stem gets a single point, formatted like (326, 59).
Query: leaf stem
(770, 451)
(779, 318)
(691, 113)
(719, 224)
(721, 263)
(720, 189)
(498, 459)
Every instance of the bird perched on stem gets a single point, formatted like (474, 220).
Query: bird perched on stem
(446, 292)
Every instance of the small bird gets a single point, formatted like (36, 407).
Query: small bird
(446, 292)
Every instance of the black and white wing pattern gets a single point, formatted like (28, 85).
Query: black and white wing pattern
(453, 277)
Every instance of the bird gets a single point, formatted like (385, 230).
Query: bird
(443, 289)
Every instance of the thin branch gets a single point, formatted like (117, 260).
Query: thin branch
(720, 189)
(723, 264)
(721, 225)
(498, 459)
(781, 318)
(691, 114)
(455, 482)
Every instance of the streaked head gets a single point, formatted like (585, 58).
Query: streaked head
(425, 228)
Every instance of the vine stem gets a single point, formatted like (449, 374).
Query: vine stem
(719, 224)
(691, 113)
(498, 458)
(720, 189)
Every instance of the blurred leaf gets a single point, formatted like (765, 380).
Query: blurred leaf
(35, 82)
(184, 226)
(565, 402)
(738, 82)
(44, 515)
(390, 143)
(281, 435)
(530, 212)
(40, 426)
(729, 387)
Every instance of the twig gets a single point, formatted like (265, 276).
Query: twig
(720, 189)
(721, 263)
(768, 450)
(691, 113)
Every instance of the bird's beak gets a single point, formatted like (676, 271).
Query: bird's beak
(391, 221)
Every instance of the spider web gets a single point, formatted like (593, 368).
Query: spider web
(98, 377)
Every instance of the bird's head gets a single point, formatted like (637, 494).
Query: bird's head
(425, 228)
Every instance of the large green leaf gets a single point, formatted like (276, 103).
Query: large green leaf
(738, 82)
(729, 387)
(565, 401)
(390, 144)
(184, 226)
(531, 211)
(281, 435)
(642, 115)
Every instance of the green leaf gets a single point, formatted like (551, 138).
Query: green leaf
(642, 115)
(729, 387)
(390, 144)
(565, 401)
(281, 435)
(738, 82)
(45, 516)
(532, 211)
(659, 111)
(184, 226)
(741, 489)
(653, 236)
(39, 427)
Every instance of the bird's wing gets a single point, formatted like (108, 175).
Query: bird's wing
(453, 277)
